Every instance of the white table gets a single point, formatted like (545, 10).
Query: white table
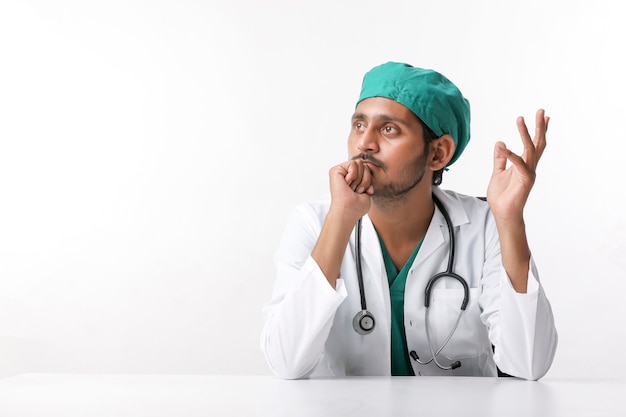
(71, 395)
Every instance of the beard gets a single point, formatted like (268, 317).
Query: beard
(412, 175)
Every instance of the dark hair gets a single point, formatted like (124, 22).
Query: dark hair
(429, 136)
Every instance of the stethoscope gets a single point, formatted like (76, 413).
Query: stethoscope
(364, 321)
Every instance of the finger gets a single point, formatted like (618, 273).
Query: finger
(352, 169)
(370, 188)
(546, 120)
(515, 159)
(529, 146)
(366, 180)
(359, 178)
(500, 156)
(541, 127)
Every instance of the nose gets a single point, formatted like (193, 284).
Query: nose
(368, 141)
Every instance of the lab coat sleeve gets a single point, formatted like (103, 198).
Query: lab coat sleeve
(521, 326)
(299, 317)
(527, 337)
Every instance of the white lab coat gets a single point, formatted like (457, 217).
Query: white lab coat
(308, 328)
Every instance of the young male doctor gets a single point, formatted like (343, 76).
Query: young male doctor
(357, 290)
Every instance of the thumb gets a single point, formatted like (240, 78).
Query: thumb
(500, 156)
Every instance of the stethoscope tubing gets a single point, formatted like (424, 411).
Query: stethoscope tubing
(364, 313)
(359, 268)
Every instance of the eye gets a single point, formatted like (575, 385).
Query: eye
(390, 130)
(360, 126)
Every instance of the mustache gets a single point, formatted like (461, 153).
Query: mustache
(367, 157)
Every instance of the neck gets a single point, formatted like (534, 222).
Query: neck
(403, 221)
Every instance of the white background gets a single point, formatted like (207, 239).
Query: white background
(151, 151)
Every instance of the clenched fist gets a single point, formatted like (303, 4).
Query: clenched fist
(351, 188)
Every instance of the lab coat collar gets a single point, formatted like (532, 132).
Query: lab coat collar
(456, 211)
(436, 235)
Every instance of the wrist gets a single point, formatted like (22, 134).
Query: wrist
(344, 215)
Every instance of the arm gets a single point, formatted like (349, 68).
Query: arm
(522, 329)
(507, 195)
(350, 187)
(521, 325)
(301, 313)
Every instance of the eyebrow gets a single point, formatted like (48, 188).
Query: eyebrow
(380, 118)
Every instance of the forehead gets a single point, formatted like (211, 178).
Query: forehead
(385, 109)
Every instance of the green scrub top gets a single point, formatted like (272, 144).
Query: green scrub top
(400, 362)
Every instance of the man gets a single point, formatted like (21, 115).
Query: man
(409, 125)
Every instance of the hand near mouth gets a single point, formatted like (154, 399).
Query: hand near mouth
(351, 192)
(351, 188)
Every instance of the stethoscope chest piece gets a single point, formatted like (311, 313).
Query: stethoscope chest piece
(363, 322)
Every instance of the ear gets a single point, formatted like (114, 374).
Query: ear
(440, 152)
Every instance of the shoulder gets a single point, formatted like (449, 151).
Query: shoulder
(314, 209)
(310, 214)
(303, 228)
(465, 209)
(467, 202)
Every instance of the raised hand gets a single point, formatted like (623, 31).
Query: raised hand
(509, 187)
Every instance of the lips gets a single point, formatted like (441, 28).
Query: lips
(368, 160)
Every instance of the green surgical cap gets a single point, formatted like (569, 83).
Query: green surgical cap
(429, 95)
